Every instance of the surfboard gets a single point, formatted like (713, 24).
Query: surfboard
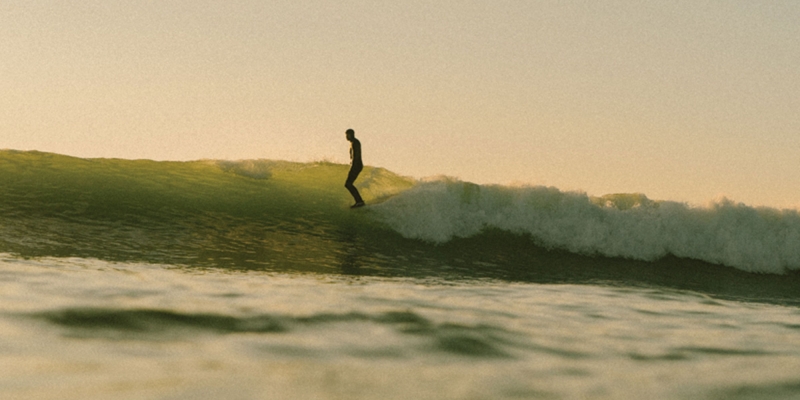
(375, 201)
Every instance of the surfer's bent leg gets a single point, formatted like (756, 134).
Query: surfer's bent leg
(351, 177)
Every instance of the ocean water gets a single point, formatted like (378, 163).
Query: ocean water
(135, 279)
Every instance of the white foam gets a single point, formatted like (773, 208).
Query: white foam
(723, 232)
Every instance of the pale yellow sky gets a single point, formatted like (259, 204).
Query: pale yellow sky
(680, 100)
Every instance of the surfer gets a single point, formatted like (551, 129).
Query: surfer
(356, 165)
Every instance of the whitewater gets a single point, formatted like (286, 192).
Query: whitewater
(624, 225)
(250, 279)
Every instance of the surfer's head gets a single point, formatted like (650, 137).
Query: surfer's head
(350, 134)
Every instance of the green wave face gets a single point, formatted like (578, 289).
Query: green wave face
(244, 214)
(50, 184)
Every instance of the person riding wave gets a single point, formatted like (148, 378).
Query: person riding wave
(356, 165)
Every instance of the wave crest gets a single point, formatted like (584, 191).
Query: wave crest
(624, 225)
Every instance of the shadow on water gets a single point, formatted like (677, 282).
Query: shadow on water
(350, 253)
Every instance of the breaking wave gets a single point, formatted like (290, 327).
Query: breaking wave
(623, 225)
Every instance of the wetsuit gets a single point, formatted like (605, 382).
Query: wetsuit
(356, 165)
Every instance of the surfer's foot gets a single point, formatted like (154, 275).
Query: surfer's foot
(359, 204)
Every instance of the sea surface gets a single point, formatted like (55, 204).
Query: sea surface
(252, 279)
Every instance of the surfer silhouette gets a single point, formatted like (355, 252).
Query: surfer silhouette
(356, 165)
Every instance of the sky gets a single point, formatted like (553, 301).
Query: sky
(685, 100)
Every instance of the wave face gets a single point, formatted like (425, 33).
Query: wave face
(622, 225)
(230, 214)
(277, 215)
